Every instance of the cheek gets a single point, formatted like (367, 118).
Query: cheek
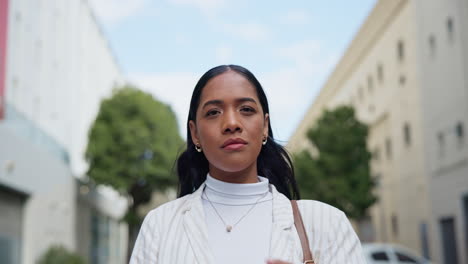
(257, 129)
(206, 134)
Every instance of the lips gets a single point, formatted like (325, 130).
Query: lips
(234, 144)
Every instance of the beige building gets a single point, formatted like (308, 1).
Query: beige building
(406, 74)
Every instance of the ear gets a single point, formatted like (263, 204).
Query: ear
(193, 132)
(266, 124)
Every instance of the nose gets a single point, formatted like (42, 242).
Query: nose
(231, 122)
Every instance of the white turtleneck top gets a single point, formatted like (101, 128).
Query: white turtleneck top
(249, 239)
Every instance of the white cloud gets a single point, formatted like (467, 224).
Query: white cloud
(252, 32)
(291, 90)
(114, 11)
(304, 54)
(207, 7)
(173, 88)
(288, 96)
(295, 17)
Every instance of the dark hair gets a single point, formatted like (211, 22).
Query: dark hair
(273, 162)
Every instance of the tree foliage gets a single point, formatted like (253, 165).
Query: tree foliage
(132, 146)
(59, 255)
(340, 173)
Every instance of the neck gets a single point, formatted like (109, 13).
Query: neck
(248, 175)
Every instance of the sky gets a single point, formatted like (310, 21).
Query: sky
(165, 46)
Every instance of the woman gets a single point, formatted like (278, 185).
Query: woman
(235, 186)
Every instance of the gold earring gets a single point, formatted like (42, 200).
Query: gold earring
(264, 141)
(198, 147)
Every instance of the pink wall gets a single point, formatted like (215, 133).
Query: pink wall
(3, 47)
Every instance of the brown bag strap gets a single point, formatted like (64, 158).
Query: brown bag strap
(308, 259)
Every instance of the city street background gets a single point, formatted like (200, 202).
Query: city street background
(90, 82)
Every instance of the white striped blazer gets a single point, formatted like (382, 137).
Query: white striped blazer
(176, 233)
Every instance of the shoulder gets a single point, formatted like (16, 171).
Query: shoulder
(320, 216)
(174, 209)
(167, 210)
(318, 208)
(156, 227)
(330, 233)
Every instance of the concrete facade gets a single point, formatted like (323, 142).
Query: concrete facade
(55, 68)
(43, 205)
(443, 34)
(101, 236)
(408, 90)
(11, 224)
(58, 68)
(48, 214)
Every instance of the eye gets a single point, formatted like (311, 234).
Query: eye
(212, 112)
(248, 109)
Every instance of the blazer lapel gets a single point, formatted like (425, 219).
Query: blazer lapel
(283, 236)
(195, 228)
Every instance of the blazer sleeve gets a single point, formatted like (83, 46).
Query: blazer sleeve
(345, 247)
(146, 246)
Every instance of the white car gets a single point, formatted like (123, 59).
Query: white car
(376, 253)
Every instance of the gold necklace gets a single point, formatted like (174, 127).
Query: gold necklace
(230, 227)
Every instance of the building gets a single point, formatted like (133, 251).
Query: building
(37, 195)
(101, 236)
(405, 73)
(58, 68)
(55, 67)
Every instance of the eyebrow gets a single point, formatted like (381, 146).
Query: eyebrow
(220, 102)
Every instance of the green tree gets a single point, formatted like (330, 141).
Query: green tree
(59, 255)
(340, 172)
(132, 147)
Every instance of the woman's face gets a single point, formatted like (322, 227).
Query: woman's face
(230, 123)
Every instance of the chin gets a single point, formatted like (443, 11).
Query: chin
(232, 166)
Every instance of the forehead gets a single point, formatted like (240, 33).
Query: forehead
(228, 85)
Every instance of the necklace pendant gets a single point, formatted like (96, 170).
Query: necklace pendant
(228, 228)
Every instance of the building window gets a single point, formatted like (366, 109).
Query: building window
(361, 93)
(380, 74)
(378, 180)
(432, 45)
(460, 132)
(18, 17)
(15, 90)
(376, 154)
(14, 82)
(424, 239)
(400, 50)
(402, 80)
(465, 216)
(388, 148)
(407, 134)
(450, 30)
(370, 84)
(441, 143)
(38, 51)
(449, 240)
(394, 225)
